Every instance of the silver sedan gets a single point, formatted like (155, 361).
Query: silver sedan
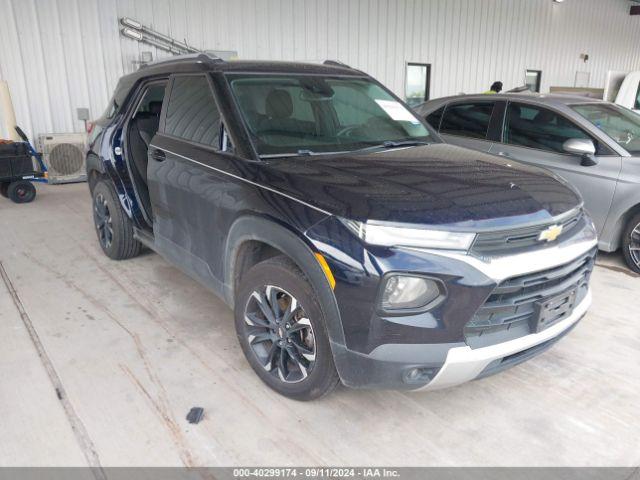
(593, 145)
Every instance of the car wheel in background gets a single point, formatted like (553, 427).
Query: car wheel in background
(631, 243)
(21, 191)
(114, 228)
(281, 329)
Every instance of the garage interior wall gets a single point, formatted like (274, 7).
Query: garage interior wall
(59, 55)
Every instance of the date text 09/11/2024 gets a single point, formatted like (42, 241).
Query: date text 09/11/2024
(316, 472)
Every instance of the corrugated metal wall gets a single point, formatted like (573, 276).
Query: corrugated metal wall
(58, 55)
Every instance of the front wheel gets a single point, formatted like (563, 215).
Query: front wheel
(281, 329)
(631, 243)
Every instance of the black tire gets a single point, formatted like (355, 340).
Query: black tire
(303, 338)
(21, 191)
(631, 243)
(4, 186)
(113, 227)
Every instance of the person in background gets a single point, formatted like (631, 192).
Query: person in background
(496, 87)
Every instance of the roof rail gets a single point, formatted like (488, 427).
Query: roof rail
(337, 63)
(209, 58)
(198, 57)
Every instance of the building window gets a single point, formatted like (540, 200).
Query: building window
(417, 83)
(532, 79)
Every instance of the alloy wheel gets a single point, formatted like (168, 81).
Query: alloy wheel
(634, 245)
(280, 334)
(103, 220)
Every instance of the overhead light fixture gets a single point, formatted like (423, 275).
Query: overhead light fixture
(129, 22)
(558, 1)
(131, 33)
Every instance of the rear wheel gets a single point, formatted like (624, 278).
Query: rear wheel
(281, 329)
(4, 186)
(114, 228)
(631, 243)
(21, 191)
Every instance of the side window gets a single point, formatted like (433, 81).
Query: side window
(467, 119)
(536, 127)
(435, 117)
(192, 113)
(151, 103)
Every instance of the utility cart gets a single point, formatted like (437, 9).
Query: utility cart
(17, 170)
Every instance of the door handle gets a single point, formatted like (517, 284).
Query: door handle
(158, 155)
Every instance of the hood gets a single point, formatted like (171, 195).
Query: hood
(436, 184)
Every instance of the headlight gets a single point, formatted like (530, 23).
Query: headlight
(394, 236)
(403, 292)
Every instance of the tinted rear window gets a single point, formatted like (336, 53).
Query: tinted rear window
(435, 117)
(192, 113)
(467, 119)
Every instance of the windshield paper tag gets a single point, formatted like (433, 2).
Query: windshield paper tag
(397, 111)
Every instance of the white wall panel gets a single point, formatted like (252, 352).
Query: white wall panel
(59, 55)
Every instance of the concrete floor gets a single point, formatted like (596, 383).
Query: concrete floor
(118, 352)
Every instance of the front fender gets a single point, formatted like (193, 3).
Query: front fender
(626, 202)
(277, 236)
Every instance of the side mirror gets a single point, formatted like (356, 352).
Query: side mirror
(583, 147)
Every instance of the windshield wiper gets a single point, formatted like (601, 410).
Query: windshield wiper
(385, 144)
(403, 143)
(299, 153)
(394, 144)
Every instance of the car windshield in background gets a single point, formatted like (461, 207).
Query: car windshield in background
(620, 124)
(306, 114)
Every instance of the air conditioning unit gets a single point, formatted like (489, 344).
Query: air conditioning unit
(64, 156)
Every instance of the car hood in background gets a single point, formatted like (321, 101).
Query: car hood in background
(435, 184)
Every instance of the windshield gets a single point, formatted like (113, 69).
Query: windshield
(306, 114)
(619, 123)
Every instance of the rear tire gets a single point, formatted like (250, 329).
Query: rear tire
(21, 191)
(631, 243)
(4, 186)
(113, 227)
(288, 346)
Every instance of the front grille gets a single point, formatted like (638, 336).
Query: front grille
(510, 241)
(513, 308)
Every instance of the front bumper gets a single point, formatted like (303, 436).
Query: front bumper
(443, 365)
(464, 364)
(436, 345)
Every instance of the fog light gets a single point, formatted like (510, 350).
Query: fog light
(419, 375)
(409, 292)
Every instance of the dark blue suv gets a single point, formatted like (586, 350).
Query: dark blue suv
(352, 244)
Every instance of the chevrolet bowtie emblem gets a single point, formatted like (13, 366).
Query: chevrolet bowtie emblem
(550, 234)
